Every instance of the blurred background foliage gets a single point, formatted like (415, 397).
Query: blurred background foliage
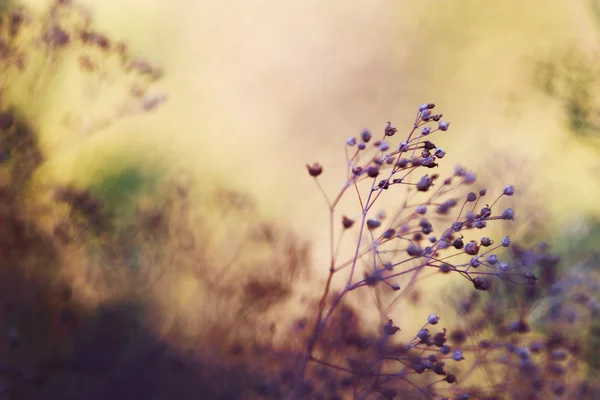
(255, 90)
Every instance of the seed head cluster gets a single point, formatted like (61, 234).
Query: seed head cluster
(432, 229)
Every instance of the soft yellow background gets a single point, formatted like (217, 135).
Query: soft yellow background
(256, 89)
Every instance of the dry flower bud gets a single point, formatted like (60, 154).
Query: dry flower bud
(389, 233)
(389, 329)
(439, 339)
(373, 223)
(371, 279)
(508, 214)
(403, 147)
(429, 162)
(509, 190)
(347, 222)
(315, 169)
(519, 326)
(469, 178)
(433, 319)
(458, 243)
(427, 145)
(470, 216)
(402, 163)
(472, 248)
(481, 283)
(372, 171)
(366, 135)
(446, 206)
(458, 355)
(485, 213)
(424, 184)
(390, 130)
(413, 250)
(382, 145)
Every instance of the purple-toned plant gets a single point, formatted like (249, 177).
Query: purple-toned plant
(433, 228)
(528, 342)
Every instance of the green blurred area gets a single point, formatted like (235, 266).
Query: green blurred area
(122, 184)
(5, 5)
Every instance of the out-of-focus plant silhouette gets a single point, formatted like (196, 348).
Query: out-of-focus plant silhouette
(97, 280)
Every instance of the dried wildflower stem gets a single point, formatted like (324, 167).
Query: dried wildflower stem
(359, 240)
(322, 302)
(423, 249)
